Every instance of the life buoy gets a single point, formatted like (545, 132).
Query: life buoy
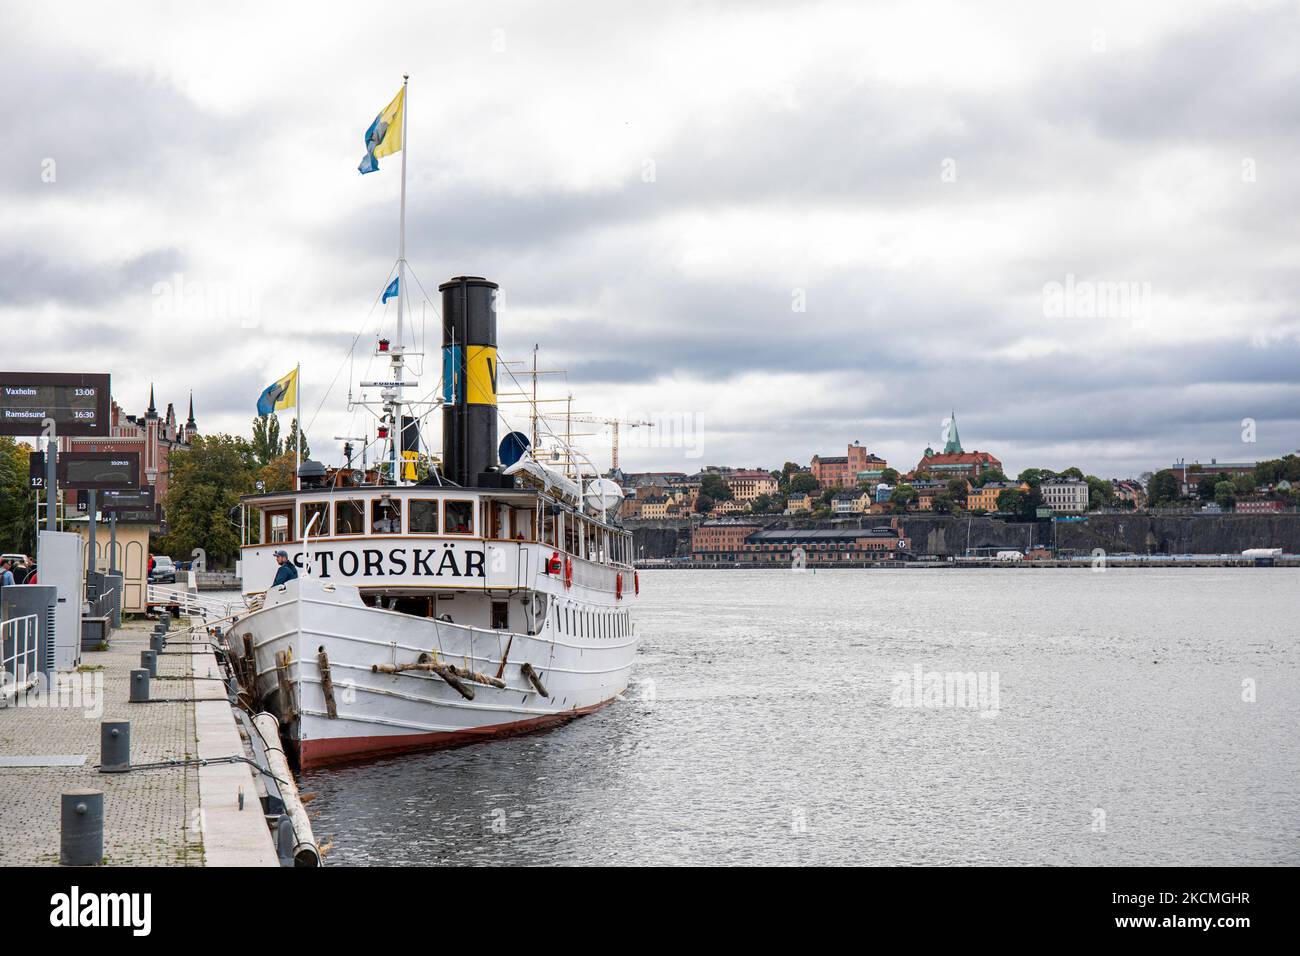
(618, 587)
(636, 581)
(553, 565)
(568, 573)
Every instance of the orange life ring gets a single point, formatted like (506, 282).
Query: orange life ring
(568, 573)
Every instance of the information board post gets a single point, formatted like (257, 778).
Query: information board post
(51, 481)
(112, 543)
(90, 545)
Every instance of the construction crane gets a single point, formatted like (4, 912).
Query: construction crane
(614, 425)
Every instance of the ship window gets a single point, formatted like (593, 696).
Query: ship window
(350, 517)
(423, 518)
(460, 517)
(548, 530)
(521, 524)
(386, 516)
(320, 510)
(279, 526)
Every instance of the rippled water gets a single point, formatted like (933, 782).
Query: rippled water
(762, 728)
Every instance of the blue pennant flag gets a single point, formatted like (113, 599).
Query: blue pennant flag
(391, 290)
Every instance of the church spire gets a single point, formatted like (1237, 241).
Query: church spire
(152, 411)
(953, 445)
(190, 423)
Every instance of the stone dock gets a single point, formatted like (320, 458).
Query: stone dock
(182, 815)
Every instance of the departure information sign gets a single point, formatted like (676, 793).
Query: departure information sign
(36, 469)
(121, 501)
(100, 470)
(77, 403)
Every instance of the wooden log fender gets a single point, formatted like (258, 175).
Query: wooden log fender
(445, 671)
(527, 670)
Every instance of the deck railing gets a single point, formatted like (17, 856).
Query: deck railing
(193, 605)
(18, 662)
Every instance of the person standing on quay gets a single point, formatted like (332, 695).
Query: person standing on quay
(6, 576)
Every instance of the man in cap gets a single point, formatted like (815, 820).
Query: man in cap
(287, 571)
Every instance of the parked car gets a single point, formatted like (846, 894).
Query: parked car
(164, 571)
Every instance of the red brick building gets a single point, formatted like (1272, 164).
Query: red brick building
(154, 437)
(842, 471)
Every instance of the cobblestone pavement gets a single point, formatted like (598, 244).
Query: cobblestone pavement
(150, 816)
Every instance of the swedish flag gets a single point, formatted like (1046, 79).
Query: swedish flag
(278, 395)
(384, 137)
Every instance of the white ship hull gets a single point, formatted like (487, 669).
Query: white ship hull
(377, 712)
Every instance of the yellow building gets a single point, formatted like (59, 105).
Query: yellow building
(799, 504)
(655, 506)
(132, 558)
(748, 485)
(986, 498)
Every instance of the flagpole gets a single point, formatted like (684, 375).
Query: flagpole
(398, 356)
(297, 425)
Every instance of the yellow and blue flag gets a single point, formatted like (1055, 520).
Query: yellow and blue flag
(384, 137)
(278, 395)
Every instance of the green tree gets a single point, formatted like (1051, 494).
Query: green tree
(1101, 493)
(205, 483)
(1011, 499)
(943, 503)
(716, 488)
(289, 443)
(17, 500)
(957, 489)
(763, 505)
(901, 497)
(889, 476)
(987, 475)
(277, 475)
(266, 439)
(803, 483)
(1245, 484)
(1225, 493)
(1205, 487)
(704, 504)
(1163, 488)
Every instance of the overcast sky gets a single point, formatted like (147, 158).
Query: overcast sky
(771, 228)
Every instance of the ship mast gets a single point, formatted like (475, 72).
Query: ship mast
(393, 394)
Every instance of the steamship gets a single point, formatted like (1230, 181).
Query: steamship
(491, 597)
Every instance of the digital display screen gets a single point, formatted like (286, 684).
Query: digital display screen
(77, 404)
(100, 470)
(123, 501)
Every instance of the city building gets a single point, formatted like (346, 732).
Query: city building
(1259, 506)
(842, 471)
(850, 502)
(954, 461)
(1189, 476)
(1064, 494)
(655, 506)
(1129, 491)
(720, 540)
(986, 498)
(748, 484)
(152, 436)
(799, 503)
(749, 544)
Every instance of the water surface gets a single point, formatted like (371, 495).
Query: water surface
(764, 726)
